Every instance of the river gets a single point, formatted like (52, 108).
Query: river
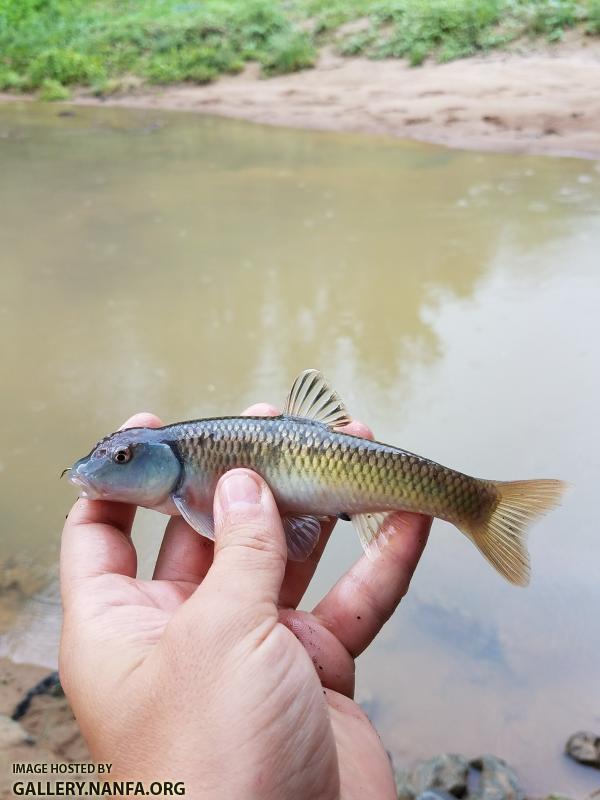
(190, 266)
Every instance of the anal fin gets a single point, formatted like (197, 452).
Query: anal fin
(371, 529)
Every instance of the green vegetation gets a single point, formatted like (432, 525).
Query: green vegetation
(51, 89)
(161, 41)
(50, 45)
(448, 29)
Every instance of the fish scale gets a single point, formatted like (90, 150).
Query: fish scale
(306, 462)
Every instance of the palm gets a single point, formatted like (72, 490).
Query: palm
(138, 611)
(120, 623)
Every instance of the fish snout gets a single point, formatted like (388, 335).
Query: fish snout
(77, 478)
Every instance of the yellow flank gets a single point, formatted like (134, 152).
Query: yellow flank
(314, 469)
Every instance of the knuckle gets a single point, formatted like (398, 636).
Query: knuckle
(250, 549)
(254, 535)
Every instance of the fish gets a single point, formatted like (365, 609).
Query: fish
(316, 471)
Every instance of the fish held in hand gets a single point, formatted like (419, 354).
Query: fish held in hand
(314, 470)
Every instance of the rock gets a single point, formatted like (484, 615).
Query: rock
(584, 747)
(557, 797)
(48, 685)
(12, 733)
(550, 797)
(435, 794)
(497, 781)
(404, 788)
(448, 772)
(444, 775)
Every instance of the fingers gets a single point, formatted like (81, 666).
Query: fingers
(184, 554)
(261, 410)
(95, 537)
(143, 419)
(298, 574)
(357, 428)
(333, 664)
(363, 600)
(250, 549)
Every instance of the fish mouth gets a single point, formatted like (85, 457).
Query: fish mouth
(86, 490)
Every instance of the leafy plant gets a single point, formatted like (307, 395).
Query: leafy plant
(53, 90)
(288, 52)
(9, 80)
(593, 25)
(98, 43)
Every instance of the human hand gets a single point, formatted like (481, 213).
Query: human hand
(208, 674)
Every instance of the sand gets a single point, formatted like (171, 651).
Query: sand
(53, 733)
(545, 101)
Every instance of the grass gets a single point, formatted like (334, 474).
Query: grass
(160, 41)
(52, 45)
(448, 29)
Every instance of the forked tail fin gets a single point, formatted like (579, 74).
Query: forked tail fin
(501, 536)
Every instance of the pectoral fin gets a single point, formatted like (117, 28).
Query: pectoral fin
(302, 534)
(200, 521)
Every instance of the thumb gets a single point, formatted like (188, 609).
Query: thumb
(250, 548)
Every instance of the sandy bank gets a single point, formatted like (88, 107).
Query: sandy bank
(545, 102)
(52, 733)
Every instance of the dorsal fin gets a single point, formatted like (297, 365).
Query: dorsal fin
(312, 397)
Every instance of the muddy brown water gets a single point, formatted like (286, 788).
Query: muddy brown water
(190, 266)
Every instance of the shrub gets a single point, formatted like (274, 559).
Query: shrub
(551, 17)
(593, 25)
(9, 80)
(288, 52)
(64, 66)
(52, 90)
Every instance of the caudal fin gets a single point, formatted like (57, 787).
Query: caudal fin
(501, 537)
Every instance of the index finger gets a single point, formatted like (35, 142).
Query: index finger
(96, 536)
(363, 600)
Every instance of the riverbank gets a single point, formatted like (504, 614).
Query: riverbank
(48, 733)
(545, 101)
(475, 74)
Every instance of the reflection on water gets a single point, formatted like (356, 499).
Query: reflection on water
(191, 266)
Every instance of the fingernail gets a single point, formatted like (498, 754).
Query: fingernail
(239, 489)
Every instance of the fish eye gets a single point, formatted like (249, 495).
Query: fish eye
(122, 455)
